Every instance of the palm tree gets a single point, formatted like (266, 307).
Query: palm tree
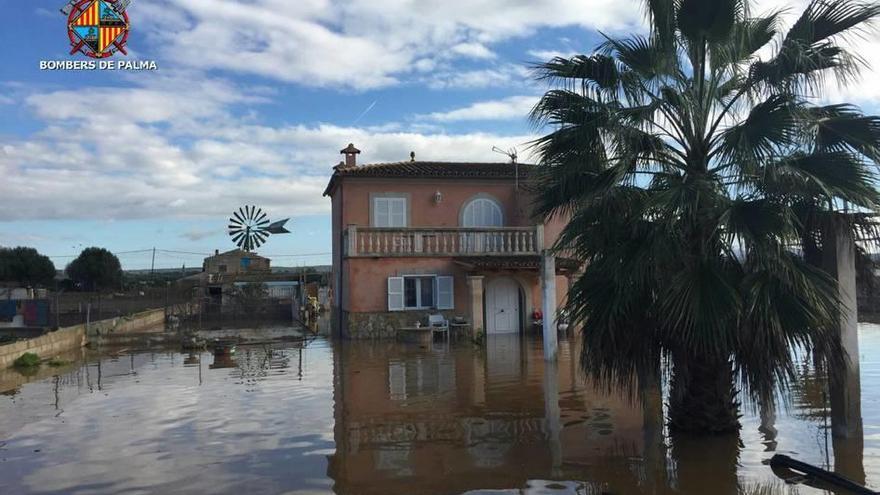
(697, 174)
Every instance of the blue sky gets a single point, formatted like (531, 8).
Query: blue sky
(252, 103)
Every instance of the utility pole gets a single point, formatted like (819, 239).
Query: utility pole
(153, 263)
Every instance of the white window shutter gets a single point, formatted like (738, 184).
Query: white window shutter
(397, 212)
(445, 296)
(380, 212)
(395, 293)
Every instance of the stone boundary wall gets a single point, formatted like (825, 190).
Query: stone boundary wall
(137, 322)
(47, 346)
(75, 337)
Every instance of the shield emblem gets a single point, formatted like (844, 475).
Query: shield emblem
(98, 28)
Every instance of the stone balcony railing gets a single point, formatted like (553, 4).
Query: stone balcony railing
(457, 241)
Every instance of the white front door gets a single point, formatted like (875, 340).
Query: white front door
(502, 306)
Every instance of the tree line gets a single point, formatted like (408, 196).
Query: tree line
(95, 269)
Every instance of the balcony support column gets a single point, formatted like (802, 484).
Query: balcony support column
(548, 301)
(475, 305)
(845, 387)
(352, 235)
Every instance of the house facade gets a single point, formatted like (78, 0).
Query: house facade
(415, 237)
(235, 262)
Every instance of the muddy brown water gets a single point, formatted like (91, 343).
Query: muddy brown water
(387, 418)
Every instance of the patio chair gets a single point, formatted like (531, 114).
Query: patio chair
(438, 323)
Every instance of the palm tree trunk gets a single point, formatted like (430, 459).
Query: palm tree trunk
(702, 397)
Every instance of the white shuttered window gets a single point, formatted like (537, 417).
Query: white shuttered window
(445, 297)
(395, 293)
(389, 212)
(420, 292)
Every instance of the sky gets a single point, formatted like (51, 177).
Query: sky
(252, 101)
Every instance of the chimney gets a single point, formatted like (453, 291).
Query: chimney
(350, 153)
(216, 252)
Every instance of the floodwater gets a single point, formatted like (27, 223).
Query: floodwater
(387, 418)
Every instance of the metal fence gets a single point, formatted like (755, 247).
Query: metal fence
(73, 308)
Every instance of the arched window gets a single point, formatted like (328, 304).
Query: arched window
(482, 212)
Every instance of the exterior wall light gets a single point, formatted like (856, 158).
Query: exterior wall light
(438, 197)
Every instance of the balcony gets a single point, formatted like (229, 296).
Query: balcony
(432, 242)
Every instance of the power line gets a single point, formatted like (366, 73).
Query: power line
(146, 251)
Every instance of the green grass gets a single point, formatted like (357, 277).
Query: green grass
(27, 360)
(55, 362)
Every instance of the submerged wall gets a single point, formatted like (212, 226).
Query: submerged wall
(137, 322)
(48, 345)
(77, 336)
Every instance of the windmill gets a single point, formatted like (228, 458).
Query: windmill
(250, 227)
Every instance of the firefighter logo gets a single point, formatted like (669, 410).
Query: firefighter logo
(97, 28)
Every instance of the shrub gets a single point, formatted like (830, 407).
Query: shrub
(27, 360)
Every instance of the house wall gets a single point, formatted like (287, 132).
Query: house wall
(360, 293)
(423, 211)
(336, 275)
(367, 309)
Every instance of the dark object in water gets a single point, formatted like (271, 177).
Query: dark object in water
(786, 468)
(224, 346)
(192, 344)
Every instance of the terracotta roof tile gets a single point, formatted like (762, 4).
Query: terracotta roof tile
(422, 169)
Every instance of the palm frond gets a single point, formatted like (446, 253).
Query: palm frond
(824, 19)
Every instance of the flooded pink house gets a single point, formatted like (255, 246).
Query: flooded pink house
(414, 238)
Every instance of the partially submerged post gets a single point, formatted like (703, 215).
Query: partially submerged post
(475, 305)
(845, 387)
(548, 296)
(552, 415)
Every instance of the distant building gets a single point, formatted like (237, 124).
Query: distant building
(235, 262)
(225, 275)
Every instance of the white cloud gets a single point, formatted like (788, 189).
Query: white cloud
(184, 153)
(513, 107)
(545, 55)
(501, 76)
(473, 50)
(359, 44)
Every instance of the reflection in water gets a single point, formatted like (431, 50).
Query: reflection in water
(388, 418)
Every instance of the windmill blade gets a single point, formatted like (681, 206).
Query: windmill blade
(264, 222)
(261, 236)
(243, 214)
(238, 217)
(278, 227)
(238, 237)
(235, 221)
(250, 212)
(261, 217)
